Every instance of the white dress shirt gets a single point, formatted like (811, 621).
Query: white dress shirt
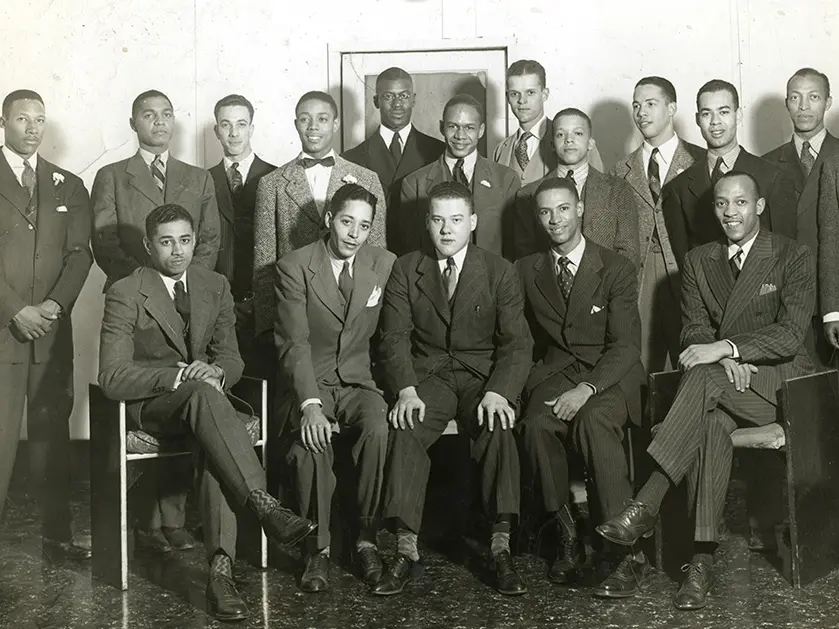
(169, 283)
(244, 165)
(387, 134)
(580, 175)
(468, 164)
(728, 159)
(318, 178)
(664, 158)
(575, 256)
(732, 250)
(536, 133)
(15, 162)
(148, 157)
(459, 259)
(815, 143)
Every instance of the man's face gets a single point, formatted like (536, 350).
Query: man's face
(526, 97)
(652, 113)
(170, 248)
(395, 101)
(572, 140)
(234, 130)
(316, 125)
(349, 228)
(718, 118)
(24, 126)
(807, 103)
(461, 127)
(450, 224)
(738, 208)
(560, 215)
(154, 123)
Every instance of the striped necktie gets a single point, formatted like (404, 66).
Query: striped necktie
(157, 173)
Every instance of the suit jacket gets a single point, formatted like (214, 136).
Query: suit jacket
(142, 338)
(828, 228)
(596, 336)
(688, 204)
(44, 256)
(493, 190)
(610, 218)
(124, 193)
(765, 313)
(235, 253)
(484, 330)
(287, 218)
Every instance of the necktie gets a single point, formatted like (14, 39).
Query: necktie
(396, 147)
(308, 162)
(521, 150)
(570, 177)
(234, 178)
(157, 170)
(182, 304)
(717, 172)
(736, 263)
(807, 159)
(345, 283)
(654, 177)
(458, 174)
(28, 178)
(564, 277)
(450, 278)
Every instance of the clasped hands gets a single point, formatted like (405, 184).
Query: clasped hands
(494, 408)
(33, 322)
(200, 371)
(738, 374)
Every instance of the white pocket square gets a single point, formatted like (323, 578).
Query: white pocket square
(61, 208)
(484, 182)
(765, 289)
(375, 297)
(595, 309)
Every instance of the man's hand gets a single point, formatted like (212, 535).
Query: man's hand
(32, 322)
(494, 404)
(402, 414)
(704, 354)
(215, 383)
(567, 405)
(51, 307)
(738, 374)
(831, 331)
(201, 371)
(315, 429)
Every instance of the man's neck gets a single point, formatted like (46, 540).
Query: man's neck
(450, 156)
(528, 126)
(564, 248)
(809, 135)
(155, 150)
(723, 150)
(19, 154)
(662, 137)
(396, 129)
(241, 157)
(576, 166)
(319, 154)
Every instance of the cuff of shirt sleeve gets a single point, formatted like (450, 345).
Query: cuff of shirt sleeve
(308, 401)
(830, 316)
(735, 353)
(178, 379)
(591, 386)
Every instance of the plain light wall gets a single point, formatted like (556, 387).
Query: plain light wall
(89, 61)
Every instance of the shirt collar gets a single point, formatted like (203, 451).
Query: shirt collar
(387, 134)
(244, 164)
(538, 130)
(575, 256)
(468, 163)
(666, 151)
(169, 283)
(728, 159)
(732, 249)
(580, 171)
(148, 157)
(338, 264)
(815, 142)
(16, 161)
(331, 154)
(459, 259)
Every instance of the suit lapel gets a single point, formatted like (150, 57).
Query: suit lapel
(438, 172)
(11, 189)
(161, 307)
(547, 284)
(700, 181)
(379, 154)
(810, 187)
(755, 269)
(430, 283)
(223, 196)
(483, 197)
(47, 201)
(586, 282)
(682, 160)
(718, 273)
(339, 171)
(200, 307)
(472, 278)
(139, 177)
(364, 281)
(299, 192)
(637, 178)
(323, 281)
(175, 179)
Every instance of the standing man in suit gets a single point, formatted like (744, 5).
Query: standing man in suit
(493, 186)
(236, 177)
(610, 218)
(44, 261)
(124, 193)
(290, 202)
(581, 301)
(529, 151)
(168, 348)
(747, 301)
(650, 167)
(328, 303)
(398, 147)
(688, 203)
(455, 345)
(808, 99)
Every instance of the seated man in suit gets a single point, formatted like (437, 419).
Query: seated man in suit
(493, 187)
(328, 304)
(688, 202)
(581, 301)
(168, 348)
(746, 304)
(455, 345)
(610, 218)
(124, 193)
(529, 151)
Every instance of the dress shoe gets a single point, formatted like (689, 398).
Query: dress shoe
(285, 527)
(762, 540)
(693, 593)
(223, 601)
(151, 541)
(316, 575)
(569, 559)
(371, 565)
(635, 521)
(179, 538)
(507, 580)
(55, 550)
(397, 577)
(627, 579)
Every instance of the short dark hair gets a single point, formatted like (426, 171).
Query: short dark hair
(464, 99)
(573, 111)
(393, 74)
(451, 190)
(17, 95)
(322, 97)
(350, 192)
(168, 213)
(718, 85)
(805, 72)
(661, 83)
(527, 66)
(732, 174)
(148, 94)
(233, 100)
(556, 183)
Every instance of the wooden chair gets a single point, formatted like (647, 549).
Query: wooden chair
(114, 469)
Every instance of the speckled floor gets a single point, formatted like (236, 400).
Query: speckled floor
(169, 593)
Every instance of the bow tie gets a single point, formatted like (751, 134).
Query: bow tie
(308, 162)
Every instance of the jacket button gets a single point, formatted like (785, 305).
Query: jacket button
(30, 227)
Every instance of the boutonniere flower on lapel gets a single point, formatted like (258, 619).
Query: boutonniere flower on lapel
(485, 183)
(57, 178)
(349, 179)
(375, 297)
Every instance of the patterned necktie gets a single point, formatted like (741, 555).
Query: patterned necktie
(807, 159)
(157, 173)
(182, 304)
(345, 283)
(717, 172)
(450, 278)
(736, 263)
(521, 150)
(28, 178)
(564, 277)
(327, 161)
(234, 178)
(570, 177)
(396, 148)
(654, 177)
(458, 174)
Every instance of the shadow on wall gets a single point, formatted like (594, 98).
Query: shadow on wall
(768, 124)
(613, 129)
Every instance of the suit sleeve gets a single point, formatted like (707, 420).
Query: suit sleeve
(696, 322)
(10, 302)
(397, 324)
(378, 232)
(223, 349)
(828, 230)
(407, 238)
(77, 255)
(508, 218)
(626, 238)
(264, 254)
(524, 225)
(782, 202)
(209, 236)
(674, 222)
(107, 247)
(496, 154)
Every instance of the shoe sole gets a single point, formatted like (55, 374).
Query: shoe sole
(229, 618)
(512, 592)
(610, 594)
(299, 538)
(623, 542)
(682, 608)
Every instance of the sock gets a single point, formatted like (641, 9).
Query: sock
(565, 522)
(703, 552)
(221, 564)
(361, 544)
(406, 544)
(260, 502)
(654, 490)
(323, 551)
(499, 543)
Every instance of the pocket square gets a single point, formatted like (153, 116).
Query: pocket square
(375, 297)
(765, 289)
(485, 183)
(61, 208)
(595, 309)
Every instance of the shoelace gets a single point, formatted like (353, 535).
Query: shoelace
(690, 568)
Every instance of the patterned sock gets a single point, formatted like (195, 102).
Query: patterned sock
(363, 543)
(221, 564)
(499, 543)
(654, 490)
(565, 522)
(406, 544)
(260, 502)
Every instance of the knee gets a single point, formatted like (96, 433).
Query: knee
(199, 390)
(374, 427)
(700, 373)
(534, 428)
(592, 421)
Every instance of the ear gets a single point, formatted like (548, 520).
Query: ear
(672, 108)
(761, 205)
(590, 144)
(147, 245)
(481, 130)
(545, 93)
(827, 104)
(376, 101)
(473, 221)
(580, 208)
(739, 116)
(336, 125)
(442, 127)
(696, 119)
(327, 219)
(2, 122)
(132, 125)
(215, 130)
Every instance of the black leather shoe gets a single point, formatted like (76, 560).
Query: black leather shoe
(316, 575)
(223, 600)
(285, 527)
(634, 522)
(507, 580)
(626, 580)
(397, 577)
(178, 538)
(569, 559)
(151, 541)
(370, 564)
(693, 593)
(55, 550)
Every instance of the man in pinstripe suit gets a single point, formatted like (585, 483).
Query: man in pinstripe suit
(454, 345)
(746, 305)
